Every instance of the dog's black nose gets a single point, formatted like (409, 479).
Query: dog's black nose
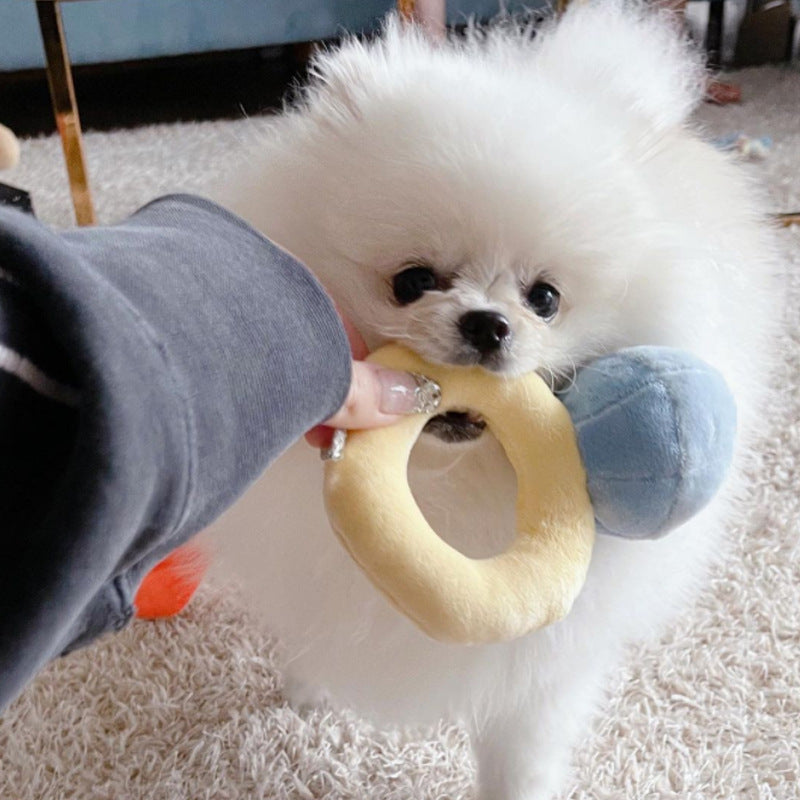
(485, 330)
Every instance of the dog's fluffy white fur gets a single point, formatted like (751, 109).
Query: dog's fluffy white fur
(499, 161)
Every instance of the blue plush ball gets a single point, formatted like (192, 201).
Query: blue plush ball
(656, 428)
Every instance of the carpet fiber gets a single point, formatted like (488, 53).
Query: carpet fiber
(192, 707)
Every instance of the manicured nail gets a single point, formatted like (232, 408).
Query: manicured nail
(408, 393)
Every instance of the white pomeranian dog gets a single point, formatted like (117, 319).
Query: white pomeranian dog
(555, 184)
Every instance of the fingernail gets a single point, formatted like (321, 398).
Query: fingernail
(408, 393)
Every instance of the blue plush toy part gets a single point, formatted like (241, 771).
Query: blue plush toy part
(656, 428)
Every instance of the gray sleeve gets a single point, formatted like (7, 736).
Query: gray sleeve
(194, 351)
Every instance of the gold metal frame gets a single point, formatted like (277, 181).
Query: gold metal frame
(65, 107)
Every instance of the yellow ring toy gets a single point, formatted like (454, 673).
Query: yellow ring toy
(448, 595)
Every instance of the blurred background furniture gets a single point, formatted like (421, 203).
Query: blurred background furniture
(130, 33)
(108, 31)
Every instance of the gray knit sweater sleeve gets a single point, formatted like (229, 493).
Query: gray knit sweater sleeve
(149, 372)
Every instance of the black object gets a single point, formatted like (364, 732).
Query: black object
(714, 29)
(17, 198)
(765, 34)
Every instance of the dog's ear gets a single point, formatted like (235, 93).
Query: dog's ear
(618, 54)
(336, 80)
(626, 56)
(355, 72)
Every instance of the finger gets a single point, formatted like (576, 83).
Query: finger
(320, 436)
(379, 396)
(358, 346)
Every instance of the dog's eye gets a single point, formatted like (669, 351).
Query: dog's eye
(410, 284)
(543, 298)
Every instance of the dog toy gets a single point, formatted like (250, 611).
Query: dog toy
(748, 147)
(9, 148)
(168, 587)
(656, 428)
(449, 595)
(9, 157)
(653, 428)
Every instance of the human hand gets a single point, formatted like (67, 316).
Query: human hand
(378, 396)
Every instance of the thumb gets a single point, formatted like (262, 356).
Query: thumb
(379, 396)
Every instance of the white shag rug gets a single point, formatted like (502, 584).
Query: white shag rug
(192, 707)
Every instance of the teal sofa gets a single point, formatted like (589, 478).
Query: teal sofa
(103, 31)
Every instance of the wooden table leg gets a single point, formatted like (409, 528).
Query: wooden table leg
(62, 92)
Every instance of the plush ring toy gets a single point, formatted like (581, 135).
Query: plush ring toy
(450, 596)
